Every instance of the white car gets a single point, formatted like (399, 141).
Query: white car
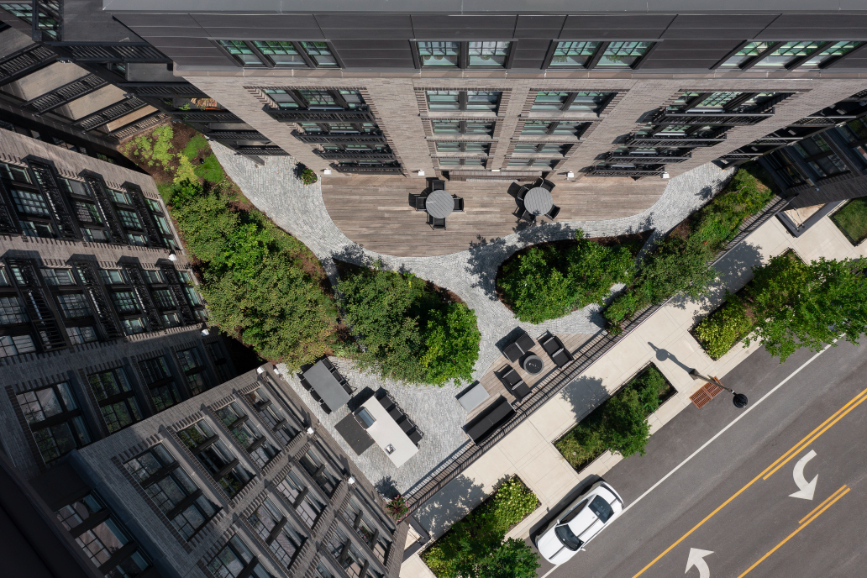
(579, 523)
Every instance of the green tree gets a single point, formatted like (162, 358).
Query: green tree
(808, 305)
(452, 341)
(511, 559)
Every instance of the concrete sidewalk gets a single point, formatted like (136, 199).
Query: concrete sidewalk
(664, 339)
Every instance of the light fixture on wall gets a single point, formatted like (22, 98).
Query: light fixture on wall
(205, 332)
(260, 371)
(570, 175)
(326, 172)
(665, 175)
(421, 173)
(172, 256)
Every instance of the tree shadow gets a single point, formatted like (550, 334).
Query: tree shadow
(734, 271)
(584, 395)
(386, 487)
(353, 254)
(458, 498)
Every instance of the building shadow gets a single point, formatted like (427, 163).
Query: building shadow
(584, 395)
(452, 503)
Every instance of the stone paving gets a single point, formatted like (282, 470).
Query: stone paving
(300, 210)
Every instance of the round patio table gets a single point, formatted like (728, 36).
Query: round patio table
(439, 204)
(532, 364)
(538, 201)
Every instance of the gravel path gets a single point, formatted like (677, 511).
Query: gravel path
(300, 210)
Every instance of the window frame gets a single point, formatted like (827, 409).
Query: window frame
(463, 62)
(67, 416)
(795, 62)
(594, 59)
(267, 62)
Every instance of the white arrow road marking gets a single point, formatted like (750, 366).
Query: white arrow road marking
(805, 489)
(696, 558)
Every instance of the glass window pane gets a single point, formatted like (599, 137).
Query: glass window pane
(573, 54)
(320, 54)
(488, 54)
(787, 52)
(242, 52)
(832, 51)
(439, 53)
(281, 53)
(623, 54)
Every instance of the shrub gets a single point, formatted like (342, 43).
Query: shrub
(679, 264)
(307, 176)
(254, 278)
(852, 220)
(397, 508)
(549, 282)
(409, 331)
(475, 546)
(619, 424)
(721, 330)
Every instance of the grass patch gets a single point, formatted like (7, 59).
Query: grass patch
(679, 263)
(851, 219)
(476, 542)
(619, 424)
(551, 280)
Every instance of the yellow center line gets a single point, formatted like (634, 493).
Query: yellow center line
(792, 535)
(813, 511)
(793, 451)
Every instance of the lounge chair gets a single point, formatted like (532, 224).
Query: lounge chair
(556, 351)
(525, 342)
(513, 352)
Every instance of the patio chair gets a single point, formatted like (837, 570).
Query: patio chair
(540, 182)
(325, 408)
(305, 384)
(525, 342)
(520, 391)
(327, 364)
(528, 216)
(552, 214)
(556, 350)
(406, 426)
(437, 185)
(436, 224)
(510, 378)
(459, 204)
(315, 396)
(415, 437)
(420, 203)
(522, 192)
(513, 352)
(395, 413)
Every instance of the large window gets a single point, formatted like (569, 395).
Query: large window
(45, 21)
(475, 54)
(82, 334)
(571, 101)
(348, 556)
(104, 541)
(172, 490)
(281, 53)
(11, 345)
(367, 528)
(58, 276)
(115, 397)
(164, 299)
(125, 301)
(215, 457)
(316, 98)
(592, 54)
(129, 219)
(282, 537)
(314, 464)
(237, 422)
(236, 560)
(306, 503)
(14, 173)
(543, 164)
(164, 390)
(280, 426)
(11, 311)
(191, 363)
(54, 419)
(463, 147)
(531, 147)
(469, 100)
(29, 202)
(790, 55)
(477, 127)
(820, 156)
(466, 163)
(73, 305)
(548, 127)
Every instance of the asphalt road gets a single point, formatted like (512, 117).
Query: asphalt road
(731, 498)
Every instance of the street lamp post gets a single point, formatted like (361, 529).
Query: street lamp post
(739, 400)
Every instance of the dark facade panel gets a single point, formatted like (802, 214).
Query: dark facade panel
(157, 31)
(381, 43)
(530, 53)
(813, 33)
(85, 21)
(203, 61)
(348, 56)
(626, 27)
(721, 21)
(180, 41)
(478, 24)
(379, 63)
(852, 62)
(239, 33)
(336, 26)
(683, 63)
(292, 21)
(733, 33)
(539, 26)
(140, 21)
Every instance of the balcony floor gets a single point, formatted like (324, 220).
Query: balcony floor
(378, 212)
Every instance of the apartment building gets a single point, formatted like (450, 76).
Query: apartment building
(238, 482)
(101, 325)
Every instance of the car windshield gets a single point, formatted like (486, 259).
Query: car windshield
(566, 536)
(601, 508)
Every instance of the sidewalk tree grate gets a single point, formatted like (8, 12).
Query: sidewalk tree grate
(703, 396)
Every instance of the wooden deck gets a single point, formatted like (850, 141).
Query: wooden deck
(495, 388)
(378, 212)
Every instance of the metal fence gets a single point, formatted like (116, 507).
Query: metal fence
(584, 357)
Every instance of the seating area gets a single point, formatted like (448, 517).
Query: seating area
(488, 421)
(473, 396)
(514, 383)
(326, 386)
(556, 350)
(399, 416)
(518, 348)
(438, 204)
(536, 201)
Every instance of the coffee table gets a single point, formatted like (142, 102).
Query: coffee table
(532, 364)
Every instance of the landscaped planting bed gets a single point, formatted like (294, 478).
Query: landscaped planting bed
(475, 545)
(851, 219)
(619, 424)
(551, 280)
(680, 262)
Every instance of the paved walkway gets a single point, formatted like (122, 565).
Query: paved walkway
(664, 340)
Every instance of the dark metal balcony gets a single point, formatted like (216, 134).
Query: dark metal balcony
(99, 301)
(635, 173)
(119, 52)
(674, 141)
(320, 115)
(230, 135)
(146, 303)
(40, 312)
(272, 151)
(177, 288)
(144, 215)
(639, 158)
(356, 156)
(817, 120)
(24, 61)
(106, 210)
(207, 116)
(370, 170)
(140, 125)
(56, 203)
(339, 138)
(163, 89)
(664, 117)
(66, 93)
(110, 113)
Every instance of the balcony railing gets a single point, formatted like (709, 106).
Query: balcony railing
(272, 151)
(339, 138)
(320, 115)
(370, 170)
(675, 141)
(823, 120)
(39, 311)
(121, 52)
(110, 113)
(56, 203)
(625, 172)
(66, 94)
(230, 135)
(24, 61)
(163, 89)
(356, 155)
(711, 118)
(638, 158)
(207, 116)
